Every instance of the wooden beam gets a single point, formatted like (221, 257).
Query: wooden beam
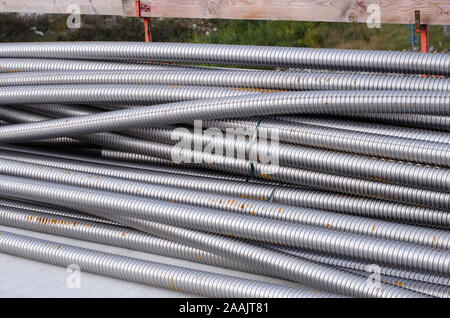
(94, 7)
(392, 11)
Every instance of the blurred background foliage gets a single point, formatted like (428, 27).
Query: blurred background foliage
(24, 28)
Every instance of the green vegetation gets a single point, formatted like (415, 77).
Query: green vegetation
(17, 28)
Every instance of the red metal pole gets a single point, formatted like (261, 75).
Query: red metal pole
(424, 35)
(148, 30)
(424, 39)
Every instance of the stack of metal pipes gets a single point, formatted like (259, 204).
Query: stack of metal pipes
(356, 204)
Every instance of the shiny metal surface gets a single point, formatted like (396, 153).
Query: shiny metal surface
(87, 152)
(379, 61)
(144, 272)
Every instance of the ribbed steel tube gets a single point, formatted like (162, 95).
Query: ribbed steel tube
(113, 235)
(276, 193)
(347, 185)
(101, 142)
(74, 94)
(310, 158)
(361, 266)
(12, 114)
(231, 224)
(145, 272)
(340, 139)
(13, 65)
(378, 61)
(294, 269)
(321, 258)
(55, 111)
(126, 238)
(33, 207)
(132, 239)
(370, 128)
(385, 273)
(421, 287)
(58, 110)
(347, 284)
(251, 79)
(292, 175)
(369, 271)
(58, 143)
(188, 111)
(410, 234)
(413, 120)
(116, 236)
(306, 158)
(310, 135)
(161, 165)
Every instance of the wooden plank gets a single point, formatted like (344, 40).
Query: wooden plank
(94, 7)
(392, 11)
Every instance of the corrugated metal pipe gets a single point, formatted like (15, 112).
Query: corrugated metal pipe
(240, 188)
(188, 111)
(421, 236)
(329, 168)
(359, 60)
(145, 272)
(296, 81)
(209, 220)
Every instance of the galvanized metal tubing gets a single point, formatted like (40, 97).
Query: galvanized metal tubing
(424, 121)
(145, 272)
(129, 238)
(159, 165)
(12, 115)
(209, 220)
(345, 140)
(134, 94)
(188, 111)
(325, 214)
(362, 266)
(234, 187)
(22, 208)
(33, 207)
(302, 157)
(277, 80)
(370, 127)
(291, 175)
(13, 65)
(264, 260)
(379, 61)
(354, 283)
(286, 174)
(115, 235)
(295, 269)
(421, 236)
(306, 158)
(55, 111)
(433, 285)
